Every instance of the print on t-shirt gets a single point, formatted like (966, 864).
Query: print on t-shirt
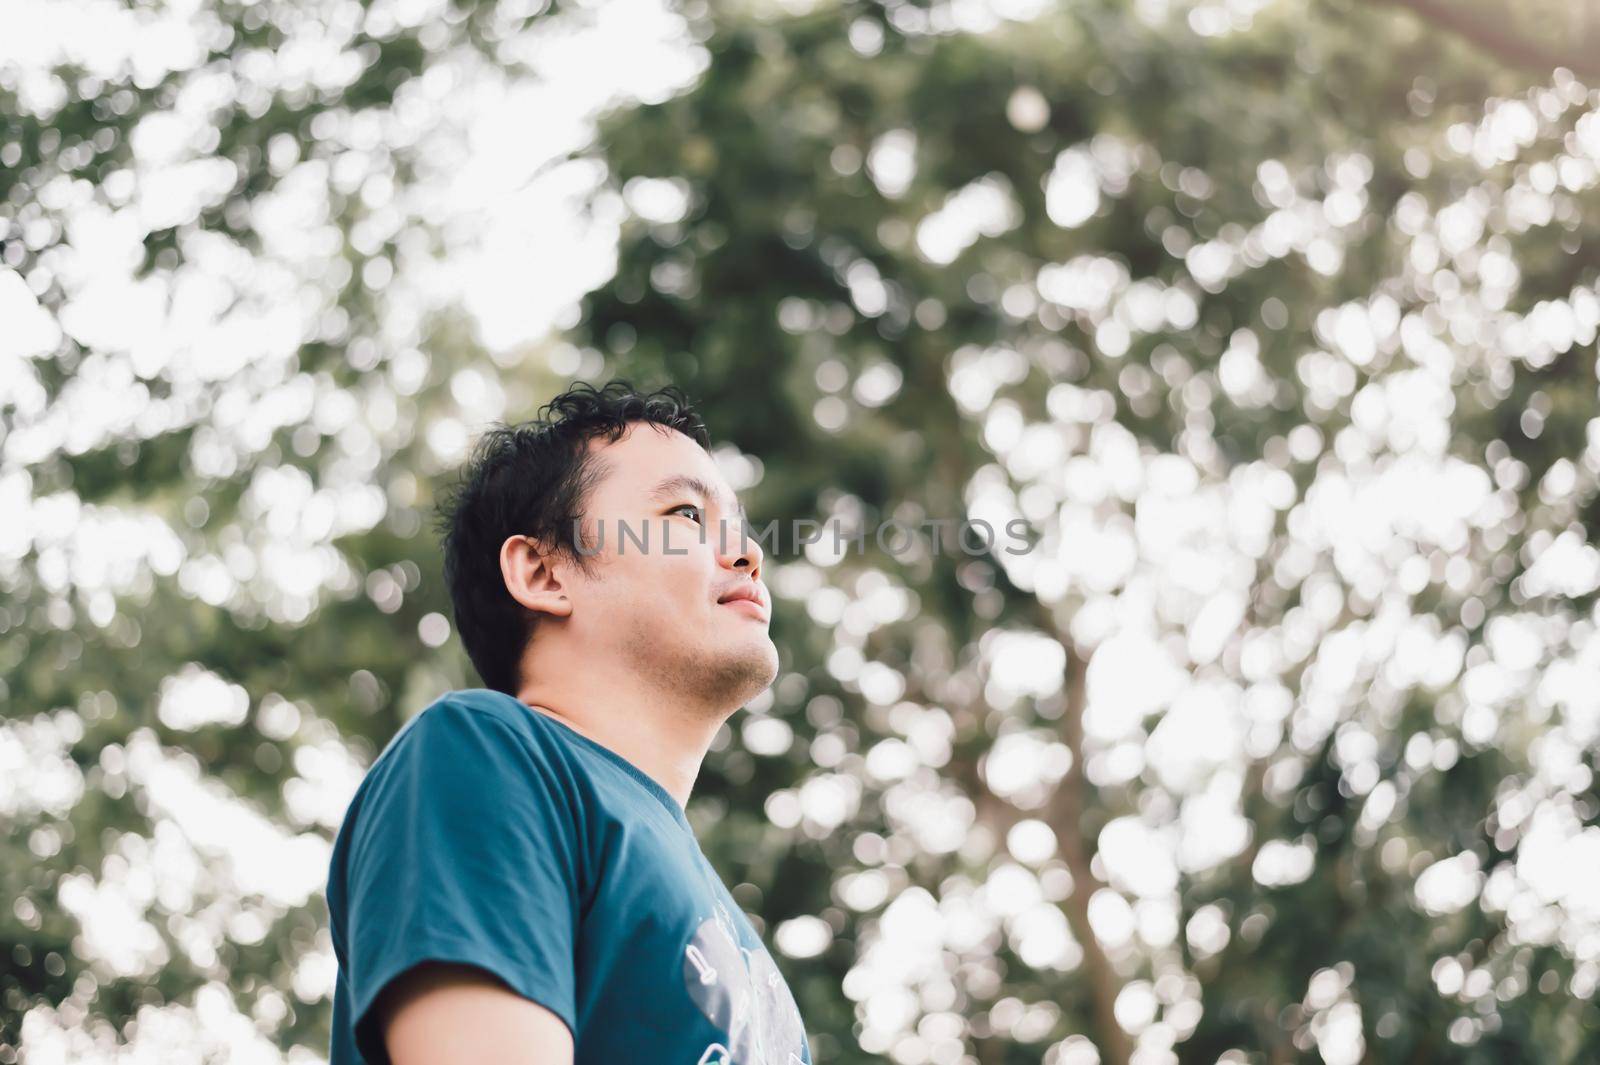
(741, 992)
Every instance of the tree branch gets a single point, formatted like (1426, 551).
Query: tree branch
(1066, 820)
(1582, 58)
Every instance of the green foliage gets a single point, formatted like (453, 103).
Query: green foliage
(1287, 268)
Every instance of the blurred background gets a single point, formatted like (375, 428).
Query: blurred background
(1277, 319)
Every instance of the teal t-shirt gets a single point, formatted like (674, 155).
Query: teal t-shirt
(492, 834)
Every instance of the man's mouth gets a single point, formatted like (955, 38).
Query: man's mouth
(748, 606)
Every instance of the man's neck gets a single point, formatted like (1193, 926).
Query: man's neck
(668, 745)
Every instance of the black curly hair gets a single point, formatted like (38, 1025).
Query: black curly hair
(533, 479)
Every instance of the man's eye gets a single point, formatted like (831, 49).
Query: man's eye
(684, 506)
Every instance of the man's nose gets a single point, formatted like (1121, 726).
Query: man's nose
(740, 547)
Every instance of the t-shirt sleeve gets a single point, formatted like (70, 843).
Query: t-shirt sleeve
(463, 850)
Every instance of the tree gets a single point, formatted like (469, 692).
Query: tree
(1216, 302)
(1279, 741)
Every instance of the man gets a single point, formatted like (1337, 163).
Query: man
(515, 882)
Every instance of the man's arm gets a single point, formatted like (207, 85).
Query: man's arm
(445, 1014)
(464, 851)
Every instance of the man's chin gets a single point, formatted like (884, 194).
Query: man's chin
(751, 668)
(767, 652)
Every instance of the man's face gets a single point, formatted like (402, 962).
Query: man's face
(655, 608)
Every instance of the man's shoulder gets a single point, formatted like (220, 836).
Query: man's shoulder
(474, 709)
(467, 720)
(465, 748)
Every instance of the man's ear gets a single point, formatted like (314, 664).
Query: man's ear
(532, 578)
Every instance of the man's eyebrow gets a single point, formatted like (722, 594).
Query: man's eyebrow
(672, 487)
